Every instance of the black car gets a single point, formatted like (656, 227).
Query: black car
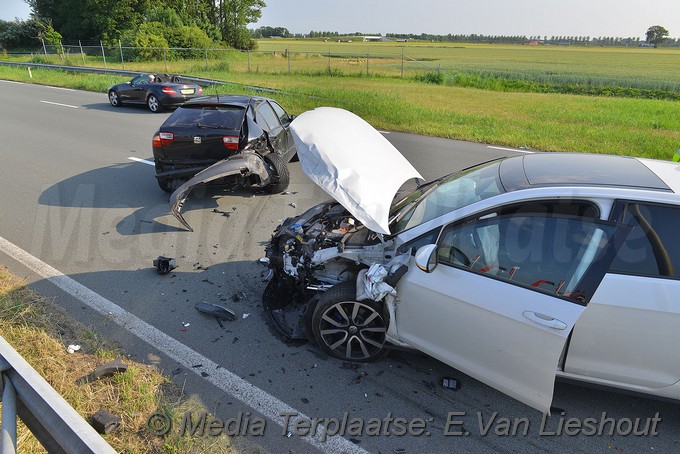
(157, 91)
(230, 140)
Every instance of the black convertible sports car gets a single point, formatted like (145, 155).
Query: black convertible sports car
(157, 91)
(229, 140)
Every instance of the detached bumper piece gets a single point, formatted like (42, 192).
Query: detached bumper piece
(243, 164)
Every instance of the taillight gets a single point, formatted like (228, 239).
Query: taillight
(231, 142)
(168, 91)
(200, 90)
(162, 138)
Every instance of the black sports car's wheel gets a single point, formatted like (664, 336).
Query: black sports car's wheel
(349, 329)
(154, 104)
(281, 176)
(114, 99)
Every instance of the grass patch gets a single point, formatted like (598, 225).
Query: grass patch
(40, 332)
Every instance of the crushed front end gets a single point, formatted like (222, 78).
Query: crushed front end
(309, 254)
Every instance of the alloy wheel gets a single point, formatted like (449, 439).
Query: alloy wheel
(353, 330)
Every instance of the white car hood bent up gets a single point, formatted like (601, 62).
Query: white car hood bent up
(352, 162)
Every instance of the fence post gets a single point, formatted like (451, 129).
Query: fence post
(248, 60)
(288, 54)
(44, 48)
(329, 61)
(367, 55)
(81, 51)
(402, 62)
(206, 59)
(165, 58)
(103, 54)
(120, 46)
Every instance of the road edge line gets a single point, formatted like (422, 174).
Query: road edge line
(249, 394)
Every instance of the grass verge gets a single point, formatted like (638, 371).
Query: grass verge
(40, 333)
(540, 121)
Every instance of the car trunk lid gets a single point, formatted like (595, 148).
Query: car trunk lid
(203, 132)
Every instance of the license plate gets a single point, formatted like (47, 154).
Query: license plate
(187, 91)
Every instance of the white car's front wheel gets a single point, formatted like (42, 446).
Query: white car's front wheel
(348, 329)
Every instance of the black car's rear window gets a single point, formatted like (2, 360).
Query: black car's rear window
(227, 117)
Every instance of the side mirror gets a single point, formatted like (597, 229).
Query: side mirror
(426, 258)
(292, 117)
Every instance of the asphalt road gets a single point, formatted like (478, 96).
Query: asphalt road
(73, 198)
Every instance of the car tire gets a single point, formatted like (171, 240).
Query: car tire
(114, 99)
(281, 176)
(154, 104)
(166, 185)
(348, 329)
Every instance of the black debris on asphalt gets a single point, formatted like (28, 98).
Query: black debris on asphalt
(164, 264)
(226, 214)
(219, 312)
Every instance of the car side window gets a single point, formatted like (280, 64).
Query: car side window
(283, 116)
(266, 113)
(653, 245)
(550, 253)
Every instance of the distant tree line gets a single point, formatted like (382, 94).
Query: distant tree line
(174, 23)
(522, 39)
(281, 32)
(268, 32)
(655, 36)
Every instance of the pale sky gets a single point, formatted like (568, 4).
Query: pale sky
(622, 18)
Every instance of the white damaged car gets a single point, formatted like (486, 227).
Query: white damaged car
(515, 272)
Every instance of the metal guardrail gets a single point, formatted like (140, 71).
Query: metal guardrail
(56, 425)
(119, 72)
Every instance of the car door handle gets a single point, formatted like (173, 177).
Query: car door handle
(545, 320)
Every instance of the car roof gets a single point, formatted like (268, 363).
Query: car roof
(581, 169)
(226, 100)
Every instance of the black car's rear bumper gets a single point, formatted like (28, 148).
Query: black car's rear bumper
(169, 169)
(175, 101)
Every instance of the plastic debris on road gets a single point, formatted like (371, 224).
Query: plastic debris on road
(164, 264)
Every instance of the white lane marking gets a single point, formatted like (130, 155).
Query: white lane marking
(383, 132)
(59, 104)
(12, 82)
(249, 394)
(143, 161)
(60, 88)
(510, 149)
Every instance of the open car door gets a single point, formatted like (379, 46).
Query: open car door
(500, 294)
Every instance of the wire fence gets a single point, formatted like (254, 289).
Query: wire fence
(284, 61)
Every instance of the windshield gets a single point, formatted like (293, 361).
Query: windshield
(443, 196)
(212, 117)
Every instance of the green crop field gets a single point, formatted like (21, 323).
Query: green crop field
(633, 67)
